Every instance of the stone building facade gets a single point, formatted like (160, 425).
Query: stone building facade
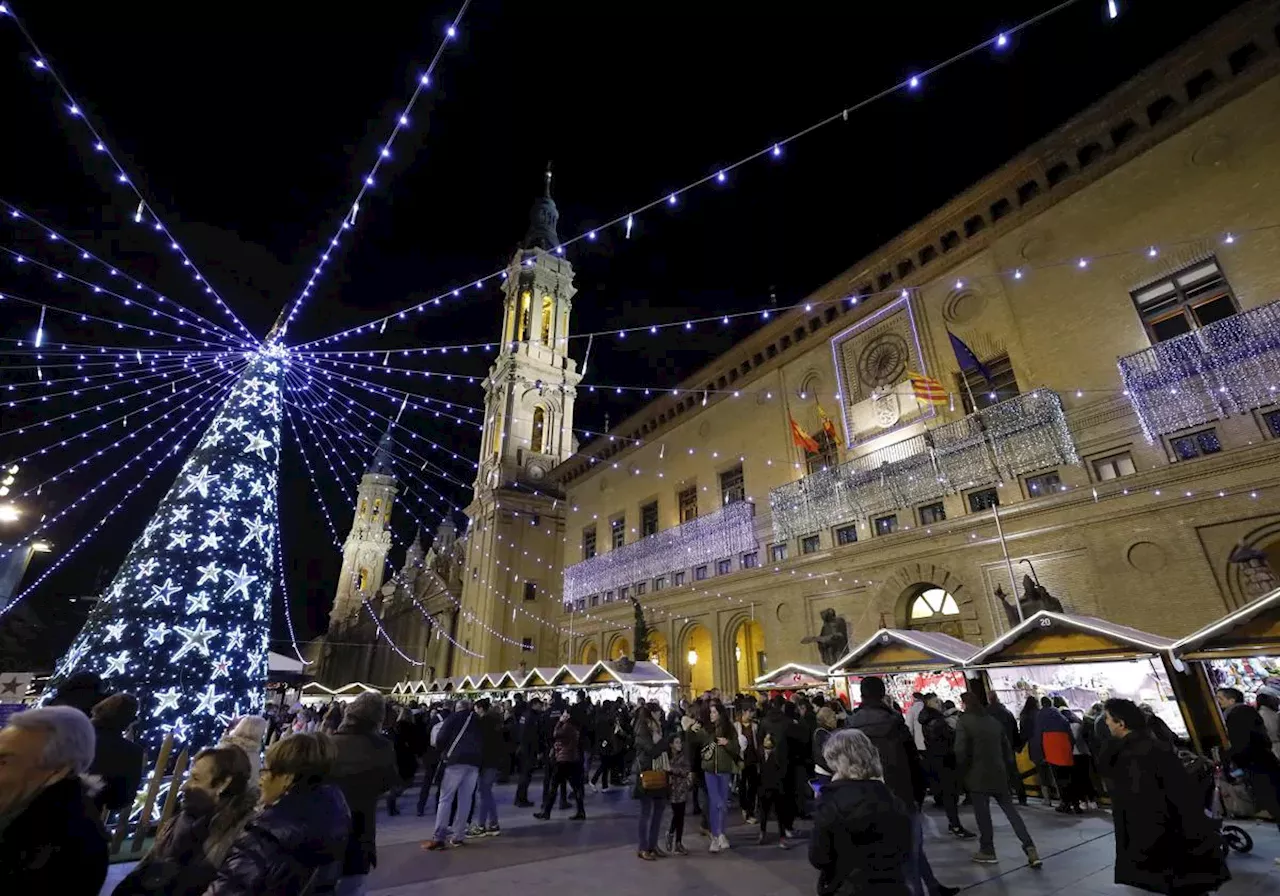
(1113, 295)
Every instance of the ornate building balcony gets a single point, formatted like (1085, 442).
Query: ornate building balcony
(726, 533)
(1021, 435)
(1227, 367)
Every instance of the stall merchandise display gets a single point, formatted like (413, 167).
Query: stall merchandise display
(1144, 681)
(1247, 674)
(900, 686)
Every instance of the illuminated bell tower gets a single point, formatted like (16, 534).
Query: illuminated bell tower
(364, 554)
(512, 575)
(530, 389)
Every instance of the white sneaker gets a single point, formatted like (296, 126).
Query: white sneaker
(715, 845)
(724, 842)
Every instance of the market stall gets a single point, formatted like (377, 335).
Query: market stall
(313, 693)
(1084, 660)
(793, 678)
(605, 680)
(909, 662)
(1240, 650)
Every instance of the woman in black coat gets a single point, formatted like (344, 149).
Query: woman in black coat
(1164, 841)
(863, 842)
(296, 844)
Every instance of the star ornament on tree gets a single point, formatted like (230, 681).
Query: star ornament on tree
(209, 542)
(167, 699)
(156, 635)
(196, 639)
(258, 530)
(240, 581)
(115, 631)
(209, 572)
(178, 540)
(221, 667)
(199, 482)
(257, 443)
(162, 594)
(116, 663)
(209, 700)
(220, 517)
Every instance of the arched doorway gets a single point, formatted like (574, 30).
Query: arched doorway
(749, 660)
(699, 659)
(659, 650)
(933, 609)
(619, 647)
(590, 653)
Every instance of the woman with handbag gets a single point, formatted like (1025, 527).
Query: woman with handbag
(651, 785)
(721, 760)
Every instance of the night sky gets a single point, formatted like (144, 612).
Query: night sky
(249, 126)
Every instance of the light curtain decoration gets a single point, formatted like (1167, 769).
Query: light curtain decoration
(726, 533)
(1228, 367)
(1021, 435)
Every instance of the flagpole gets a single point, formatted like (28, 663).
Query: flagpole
(1004, 548)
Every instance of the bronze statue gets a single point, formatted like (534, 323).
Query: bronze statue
(833, 640)
(1035, 597)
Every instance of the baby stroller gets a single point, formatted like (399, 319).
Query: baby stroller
(1212, 779)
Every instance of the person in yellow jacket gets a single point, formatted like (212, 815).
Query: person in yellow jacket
(717, 744)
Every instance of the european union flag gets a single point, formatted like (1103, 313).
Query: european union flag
(966, 358)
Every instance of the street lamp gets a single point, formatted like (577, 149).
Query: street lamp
(692, 657)
(9, 513)
(41, 547)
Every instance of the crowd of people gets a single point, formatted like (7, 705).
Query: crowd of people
(301, 819)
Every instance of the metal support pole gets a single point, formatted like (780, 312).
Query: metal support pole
(1004, 548)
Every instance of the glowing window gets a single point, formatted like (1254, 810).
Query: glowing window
(933, 602)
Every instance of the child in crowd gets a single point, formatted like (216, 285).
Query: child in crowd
(773, 779)
(679, 778)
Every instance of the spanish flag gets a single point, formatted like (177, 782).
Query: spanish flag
(802, 438)
(827, 426)
(927, 389)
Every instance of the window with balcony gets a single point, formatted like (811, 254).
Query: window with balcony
(1271, 419)
(1113, 466)
(982, 499)
(1002, 385)
(677, 579)
(933, 513)
(1193, 297)
(589, 542)
(847, 534)
(732, 487)
(810, 544)
(700, 573)
(688, 501)
(1196, 444)
(778, 552)
(886, 525)
(648, 519)
(1043, 484)
(827, 455)
(617, 532)
(751, 560)
(530, 590)
(724, 567)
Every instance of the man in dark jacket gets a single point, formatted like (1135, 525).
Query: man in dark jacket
(364, 769)
(51, 842)
(493, 756)
(1164, 841)
(461, 747)
(983, 757)
(116, 760)
(1001, 714)
(1249, 750)
(940, 754)
(901, 763)
(528, 749)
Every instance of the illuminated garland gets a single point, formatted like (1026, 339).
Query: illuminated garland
(724, 534)
(1021, 435)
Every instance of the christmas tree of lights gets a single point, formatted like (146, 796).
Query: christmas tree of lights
(184, 625)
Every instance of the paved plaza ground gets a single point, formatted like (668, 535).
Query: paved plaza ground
(535, 857)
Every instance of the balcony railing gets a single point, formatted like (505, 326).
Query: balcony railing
(727, 532)
(1021, 435)
(1228, 367)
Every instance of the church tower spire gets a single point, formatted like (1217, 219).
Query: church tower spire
(530, 390)
(364, 554)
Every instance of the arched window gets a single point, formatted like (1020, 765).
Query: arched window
(362, 579)
(523, 321)
(539, 428)
(547, 306)
(377, 506)
(497, 435)
(931, 605)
